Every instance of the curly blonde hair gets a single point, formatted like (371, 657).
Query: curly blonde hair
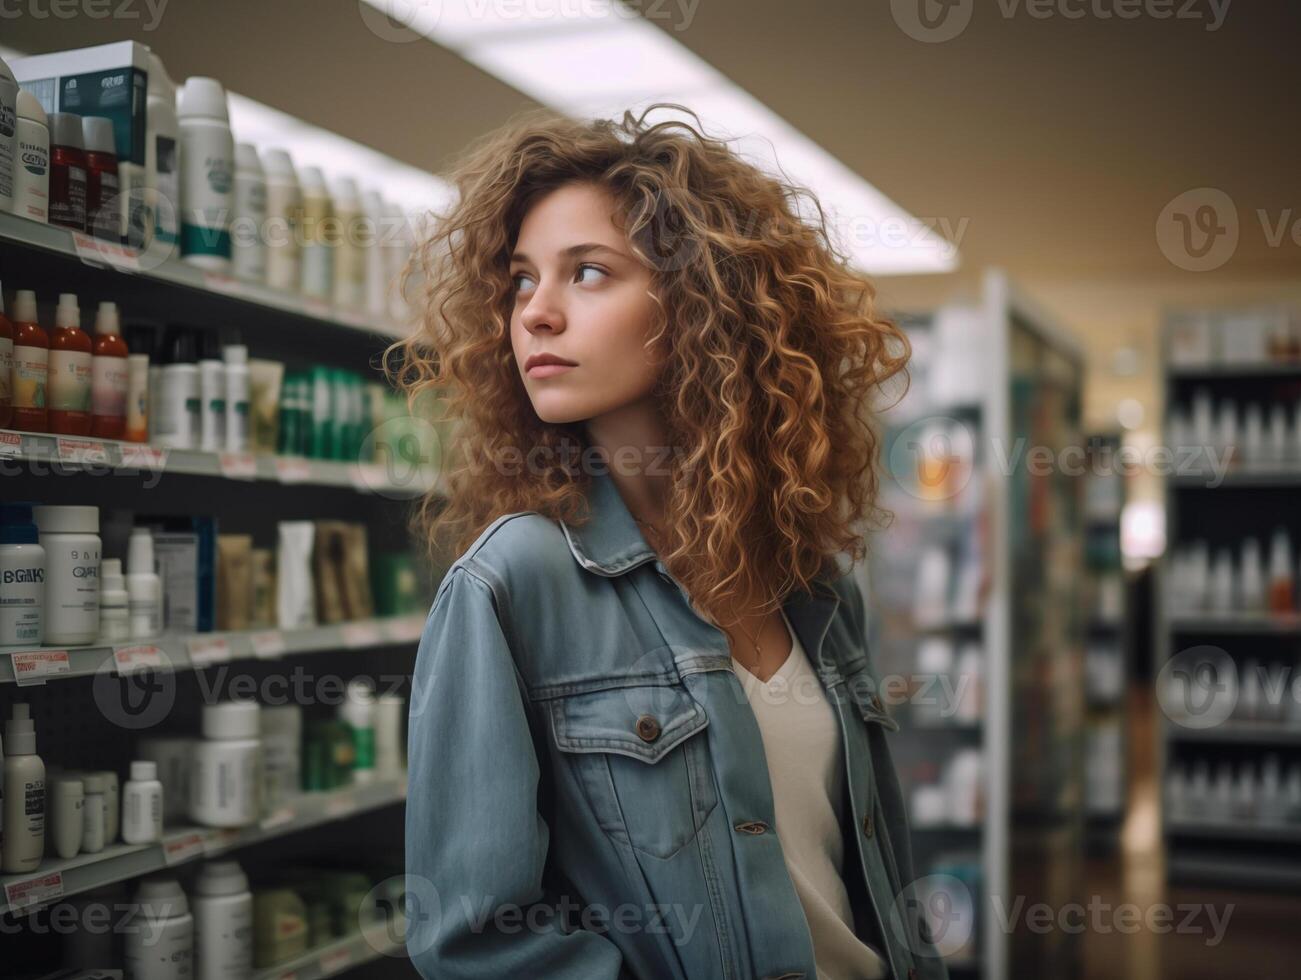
(774, 353)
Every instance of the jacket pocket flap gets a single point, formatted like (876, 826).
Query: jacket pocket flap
(864, 688)
(643, 722)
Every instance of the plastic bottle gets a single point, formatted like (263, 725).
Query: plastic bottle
(31, 366)
(24, 795)
(175, 419)
(70, 536)
(108, 376)
(6, 366)
(223, 923)
(162, 157)
(284, 218)
(235, 357)
(144, 587)
(70, 371)
(112, 804)
(140, 348)
(22, 577)
(114, 621)
(94, 812)
(212, 393)
(64, 818)
(281, 730)
(389, 725)
(8, 115)
(376, 272)
(317, 236)
(225, 778)
(103, 192)
(396, 241)
(32, 163)
(349, 254)
(67, 171)
(142, 805)
(248, 243)
(207, 174)
(358, 713)
(160, 935)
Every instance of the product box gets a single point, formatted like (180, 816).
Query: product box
(185, 551)
(107, 80)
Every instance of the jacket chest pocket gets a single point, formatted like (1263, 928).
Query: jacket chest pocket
(640, 754)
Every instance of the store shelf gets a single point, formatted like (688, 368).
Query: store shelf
(101, 455)
(120, 862)
(1238, 623)
(1269, 477)
(1234, 870)
(1211, 372)
(1242, 830)
(343, 954)
(198, 650)
(173, 273)
(1239, 733)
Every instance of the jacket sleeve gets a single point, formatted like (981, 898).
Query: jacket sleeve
(475, 840)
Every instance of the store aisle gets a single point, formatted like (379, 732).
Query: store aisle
(1256, 927)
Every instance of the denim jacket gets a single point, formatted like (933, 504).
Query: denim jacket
(589, 795)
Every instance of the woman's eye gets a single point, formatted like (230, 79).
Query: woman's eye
(515, 280)
(592, 268)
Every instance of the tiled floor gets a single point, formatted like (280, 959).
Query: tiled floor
(1260, 932)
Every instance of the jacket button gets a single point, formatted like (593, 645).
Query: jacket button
(751, 826)
(867, 825)
(648, 728)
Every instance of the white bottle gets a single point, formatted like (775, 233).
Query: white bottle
(248, 230)
(1251, 584)
(64, 817)
(237, 397)
(171, 755)
(174, 411)
(32, 160)
(144, 588)
(223, 923)
(94, 812)
(112, 804)
(284, 213)
(396, 241)
(358, 713)
(160, 935)
(282, 739)
(24, 795)
(70, 536)
(349, 250)
(389, 725)
(318, 227)
(376, 269)
(212, 394)
(162, 158)
(225, 780)
(114, 617)
(8, 135)
(207, 174)
(142, 805)
(22, 578)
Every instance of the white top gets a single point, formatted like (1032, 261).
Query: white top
(801, 739)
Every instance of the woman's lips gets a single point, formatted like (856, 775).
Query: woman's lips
(547, 370)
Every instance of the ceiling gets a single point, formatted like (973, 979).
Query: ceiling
(1045, 145)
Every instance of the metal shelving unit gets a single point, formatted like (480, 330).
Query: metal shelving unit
(1243, 844)
(1003, 548)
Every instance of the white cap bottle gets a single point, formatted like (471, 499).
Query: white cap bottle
(223, 922)
(142, 805)
(144, 587)
(207, 174)
(317, 254)
(24, 795)
(248, 230)
(162, 158)
(8, 110)
(114, 621)
(161, 947)
(32, 160)
(284, 220)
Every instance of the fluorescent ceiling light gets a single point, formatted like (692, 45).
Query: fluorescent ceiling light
(592, 58)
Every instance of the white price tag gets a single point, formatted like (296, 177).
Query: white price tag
(317, 308)
(33, 666)
(184, 847)
(82, 451)
(219, 283)
(144, 657)
(97, 252)
(360, 635)
(335, 961)
(343, 805)
(278, 818)
(220, 840)
(11, 443)
(138, 456)
(207, 650)
(293, 469)
(268, 644)
(238, 466)
(34, 891)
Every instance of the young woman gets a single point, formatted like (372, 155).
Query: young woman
(646, 738)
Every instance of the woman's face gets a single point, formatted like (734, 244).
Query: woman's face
(581, 295)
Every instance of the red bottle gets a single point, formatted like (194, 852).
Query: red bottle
(70, 363)
(103, 201)
(67, 172)
(108, 376)
(30, 366)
